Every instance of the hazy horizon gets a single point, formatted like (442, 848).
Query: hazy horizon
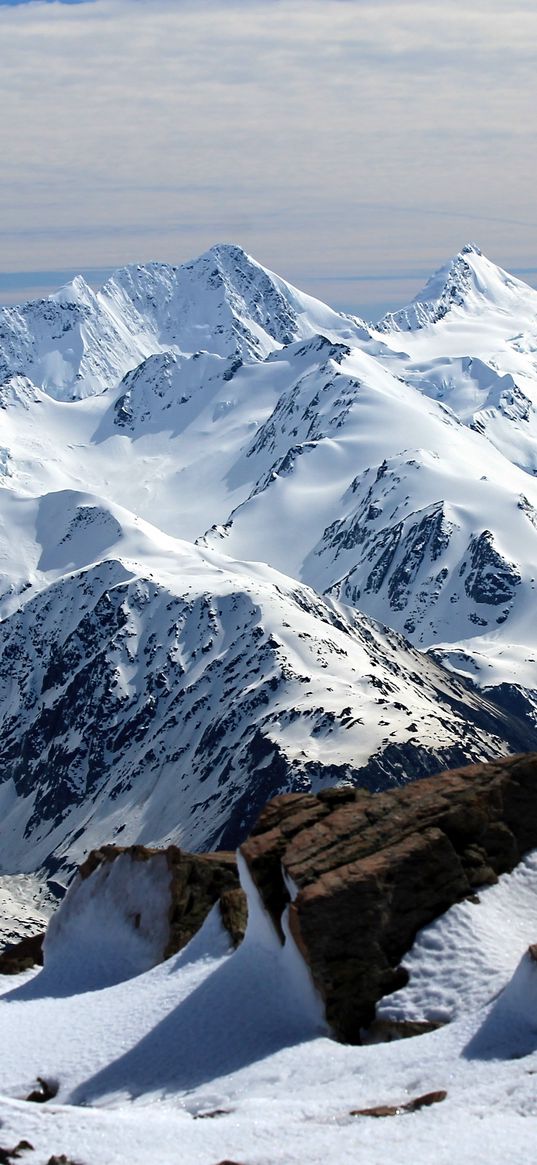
(354, 294)
(351, 146)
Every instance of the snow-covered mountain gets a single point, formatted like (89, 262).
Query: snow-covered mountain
(78, 342)
(408, 514)
(157, 689)
(154, 691)
(470, 340)
(219, 1054)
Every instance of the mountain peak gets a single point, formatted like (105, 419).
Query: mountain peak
(231, 251)
(469, 282)
(225, 302)
(470, 249)
(76, 291)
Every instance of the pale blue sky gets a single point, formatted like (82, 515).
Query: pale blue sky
(351, 145)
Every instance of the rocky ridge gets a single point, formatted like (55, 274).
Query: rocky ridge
(360, 874)
(349, 876)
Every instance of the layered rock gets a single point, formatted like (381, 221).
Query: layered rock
(361, 873)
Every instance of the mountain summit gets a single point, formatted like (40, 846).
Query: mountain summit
(78, 342)
(469, 282)
(249, 546)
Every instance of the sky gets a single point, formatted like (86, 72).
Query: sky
(350, 145)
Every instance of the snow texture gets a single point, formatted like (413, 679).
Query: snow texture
(217, 1055)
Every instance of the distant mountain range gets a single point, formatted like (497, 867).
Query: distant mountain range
(249, 544)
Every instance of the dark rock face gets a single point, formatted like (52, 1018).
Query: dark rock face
(21, 956)
(491, 579)
(197, 881)
(371, 869)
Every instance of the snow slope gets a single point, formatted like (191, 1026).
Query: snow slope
(164, 692)
(216, 1055)
(26, 905)
(390, 470)
(78, 342)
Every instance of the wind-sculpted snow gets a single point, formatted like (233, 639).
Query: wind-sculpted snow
(392, 469)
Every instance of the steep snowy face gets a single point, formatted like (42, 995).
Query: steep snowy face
(469, 284)
(168, 696)
(224, 302)
(76, 342)
(68, 344)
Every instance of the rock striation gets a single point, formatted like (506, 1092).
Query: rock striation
(361, 873)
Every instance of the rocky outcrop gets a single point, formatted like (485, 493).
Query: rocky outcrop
(17, 957)
(366, 871)
(197, 882)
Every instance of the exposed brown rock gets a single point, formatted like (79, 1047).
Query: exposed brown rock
(46, 1090)
(9, 1155)
(234, 911)
(396, 1109)
(372, 868)
(197, 881)
(385, 1031)
(20, 956)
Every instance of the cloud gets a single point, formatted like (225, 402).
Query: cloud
(350, 132)
(14, 3)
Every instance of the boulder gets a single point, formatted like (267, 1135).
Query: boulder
(360, 873)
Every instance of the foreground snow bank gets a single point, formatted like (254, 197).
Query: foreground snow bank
(220, 1054)
(111, 925)
(462, 960)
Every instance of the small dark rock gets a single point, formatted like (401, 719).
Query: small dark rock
(8, 1155)
(397, 1109)
(47, 1090)
(21, 956)
(62, 1160)
(202, 1116)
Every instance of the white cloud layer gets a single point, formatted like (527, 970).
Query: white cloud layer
(327, 137)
